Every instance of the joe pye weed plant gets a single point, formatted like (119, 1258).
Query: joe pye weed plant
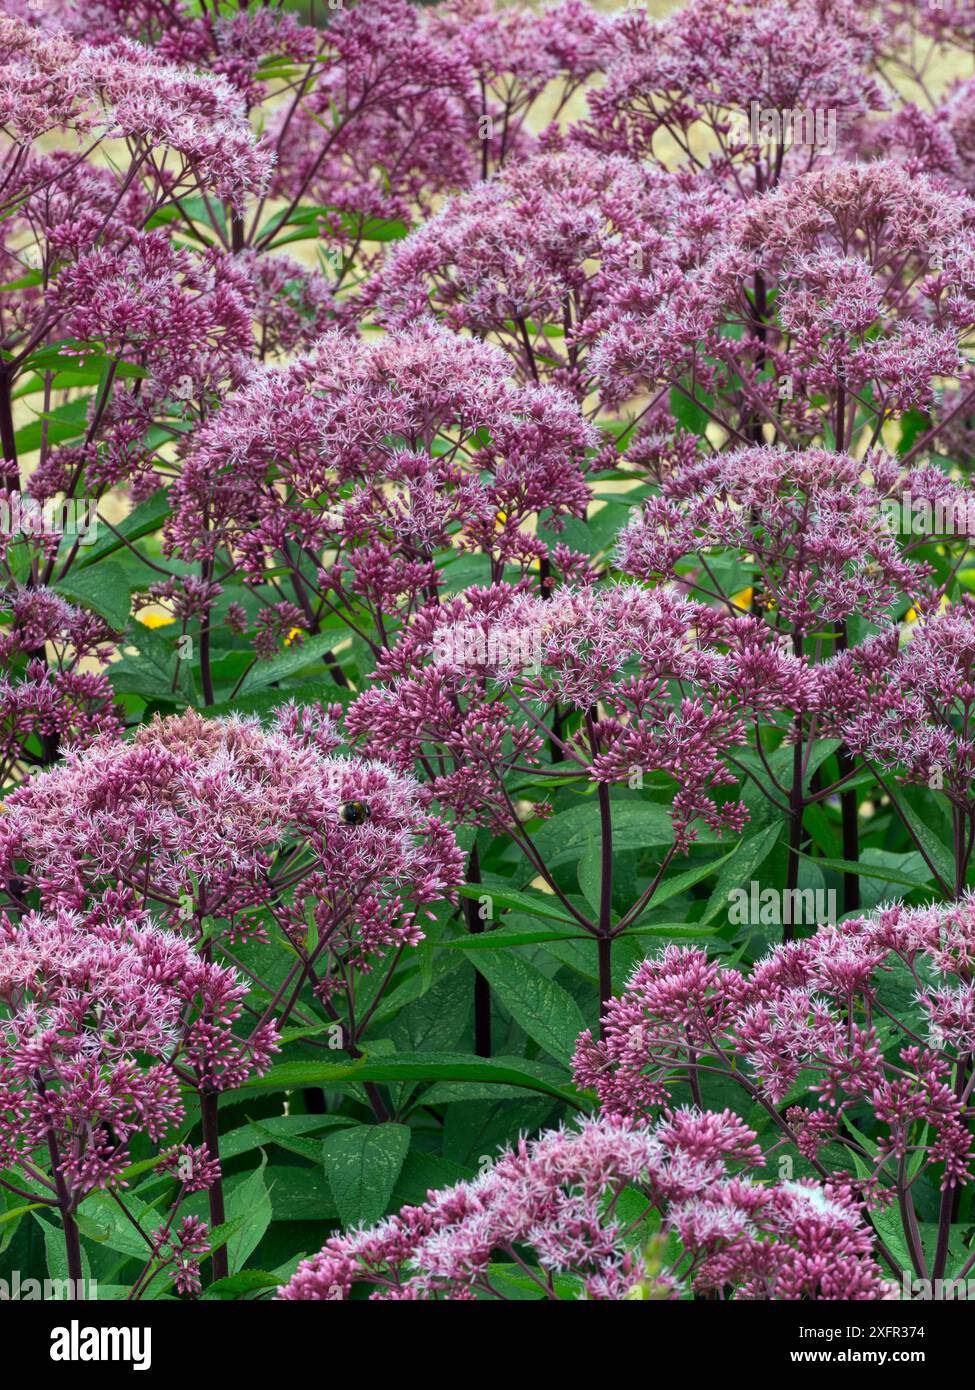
(526, 482)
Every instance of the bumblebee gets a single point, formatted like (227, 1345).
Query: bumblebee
(354, 813)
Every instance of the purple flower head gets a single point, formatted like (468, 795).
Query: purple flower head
(383, 127)
(47, 704)
(872, 273)
(217, 821)
(711, 85)
(830, 1010)
(905, 708)
(555, 1199)
(531, 256)
(507, 58)
(813, 530)
(383, 452)
(124, 91)
(469, 675)
(99, 1023)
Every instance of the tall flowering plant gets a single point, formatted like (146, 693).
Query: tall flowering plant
(854, 1043)
(468, 689)
(812, 543)
(352, 473)
(485, 490)
(228, 832)
(559, 1199)
(82, 1005)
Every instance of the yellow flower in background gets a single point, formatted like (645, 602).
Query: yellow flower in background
(912, 615)
(744, 598)
(295, 632)
(154, 620)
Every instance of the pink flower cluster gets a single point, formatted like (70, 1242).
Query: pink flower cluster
(47, 701)
(383, 451)
(814, 525)
(100, 1021)
(466, 689)
(826, 1016)
(550, 1214)
(683, 88)
(533, 255)
(220, 820)
(125, 92)
(873, 279)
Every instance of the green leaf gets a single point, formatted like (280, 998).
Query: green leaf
(679, 883)
(143, 520)
(251, 1201)
(744, 860)
(56, 1254)
(546, 1011)
(62, 423)
(288, 662)
(152, 671)
(535, 904)
(423, 1172)
(283, 1130)
(518, 1285)
(864, 869)
(109, 1226)
(362, 1166)
(689, 413)
(937, 853)
(382, 229)
(589, 872)
(301, 1193)
(395, 1068)
(883, 889)
(244, 1282)
(105, 591)
(500, 940)
(15, 1213)
(636, 825)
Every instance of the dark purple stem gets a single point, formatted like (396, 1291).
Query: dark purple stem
(482, 990)
(211, 1138)
(72, 1241)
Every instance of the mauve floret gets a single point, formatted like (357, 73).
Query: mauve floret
(471, 673)
(873, 282)
(809, 1008)
(99, 1023)
(815, 525)
(388, 449)
(60, 701)
(548, 241)
(553, 1200)
(195, 810)
(689, 81)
